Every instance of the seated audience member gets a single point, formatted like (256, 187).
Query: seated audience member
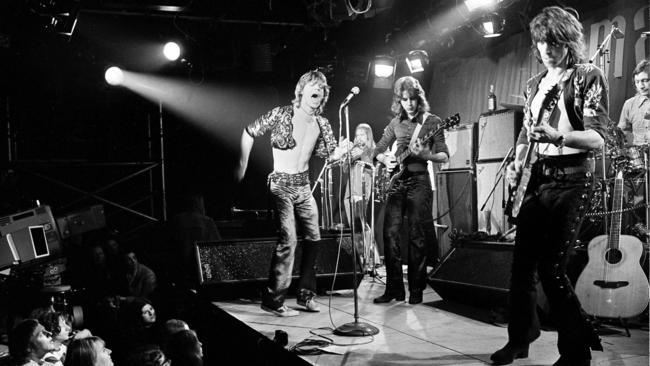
(139, 280)
(171, 327)
(59, 326)
(138, 319)
(184, 349)
(150, 355)
(89, 351)
(29, 342)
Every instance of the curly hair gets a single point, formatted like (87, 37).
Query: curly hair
(310, 77)
(50, 319)
(557, 26)
(412, 86)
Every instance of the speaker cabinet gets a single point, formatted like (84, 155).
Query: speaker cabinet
(497, 133)
(475, 273)
(460, 142)
(231, 268)
(456, 197)
(491, 219)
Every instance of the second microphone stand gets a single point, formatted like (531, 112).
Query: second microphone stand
(355, 328)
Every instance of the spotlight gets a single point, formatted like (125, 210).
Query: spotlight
(172, 51)
(492, 25)
(475, 4)
(384, 66)
(417, 60)
(114, 75)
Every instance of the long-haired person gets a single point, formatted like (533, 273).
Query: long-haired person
(412, 194)
(29, 342)
(297, 131)
(89, 351)
(565, 114)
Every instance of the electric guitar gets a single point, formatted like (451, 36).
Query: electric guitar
(518, 192)
(613, 284)
(389, 183)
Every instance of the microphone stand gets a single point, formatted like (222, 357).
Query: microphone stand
(356, 328)
(496, 184)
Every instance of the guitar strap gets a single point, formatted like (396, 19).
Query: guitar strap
(551, 99)
(418, 128)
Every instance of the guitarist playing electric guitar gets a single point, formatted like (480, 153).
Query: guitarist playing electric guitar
(565, 117)
(411, 194)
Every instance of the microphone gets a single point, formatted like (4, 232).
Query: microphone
(354, 91)
(617, 33)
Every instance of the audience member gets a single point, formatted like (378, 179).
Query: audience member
(59, 325)
(171, 327)
(184, 349)
(149, 355)
(29, 342)
(139, 280)
(89, 351)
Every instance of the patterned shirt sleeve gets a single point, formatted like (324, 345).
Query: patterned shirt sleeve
(595, 101)
(386, 140)
(264, 123)
(326, 141)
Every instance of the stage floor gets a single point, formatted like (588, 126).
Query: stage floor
(423, 334)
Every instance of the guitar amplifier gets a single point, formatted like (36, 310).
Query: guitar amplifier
(492, 219)
(497, 133)
(460, 142)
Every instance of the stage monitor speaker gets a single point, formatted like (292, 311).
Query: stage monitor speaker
(82, 221)
(231, 268)
(497, 133)
(460, 142)
(492, 219)
(474, 273)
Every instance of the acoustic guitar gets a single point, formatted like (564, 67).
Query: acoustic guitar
(613, 284)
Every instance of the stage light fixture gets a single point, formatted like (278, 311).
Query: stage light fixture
(417, 60)
(114, 75)
(475, 4)
(492, 25)
(172, 51)
(384, 66)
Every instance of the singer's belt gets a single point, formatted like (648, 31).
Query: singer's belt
(286, 179)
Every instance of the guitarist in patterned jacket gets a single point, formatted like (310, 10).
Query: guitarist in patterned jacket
(411, 193)
(565, 116)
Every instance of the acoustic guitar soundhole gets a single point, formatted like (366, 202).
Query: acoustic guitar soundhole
(613, 256)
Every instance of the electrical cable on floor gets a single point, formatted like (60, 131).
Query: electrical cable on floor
(312, 346)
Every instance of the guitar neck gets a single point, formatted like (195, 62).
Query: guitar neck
(617, 205)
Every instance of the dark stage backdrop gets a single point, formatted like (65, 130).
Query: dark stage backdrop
(462, 83)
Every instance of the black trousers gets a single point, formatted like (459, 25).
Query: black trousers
(547, 228)
(412, 196)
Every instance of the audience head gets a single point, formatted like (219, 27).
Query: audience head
(140, 312)
(89, 351)
(29, 341)
(55, 322)
(184, 348)
(148, 355)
